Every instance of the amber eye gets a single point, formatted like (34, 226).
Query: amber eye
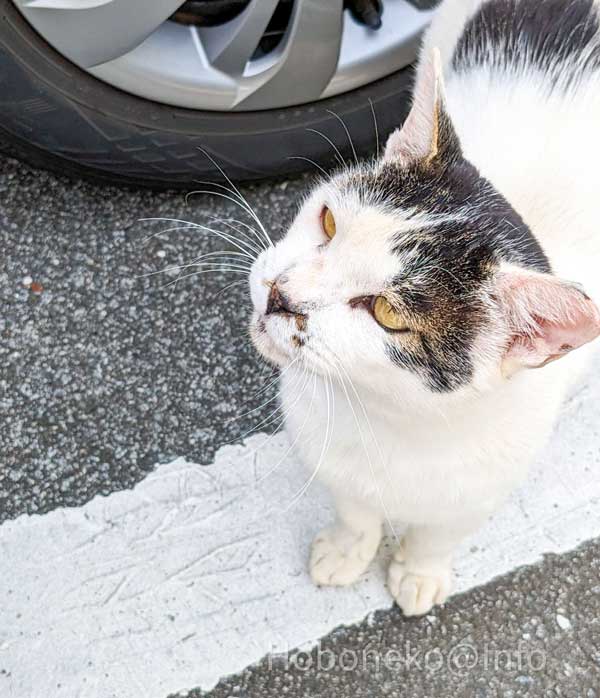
(387, 316)
(328, 222)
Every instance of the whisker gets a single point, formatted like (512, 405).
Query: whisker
(242, 257)
(332, 144)
(239, 244)
(285, 411)
(277, 377)
(326, 443)
(337, 365)
(224, 236)
(147, 239)
(240, 195)
(252, 239)
(233, 200)
(312, 162)
(198, 273)
(339, 118)
(254, 409)
(216, 265)
(233, 196)
(261, 233)
(273, 418)
(295, 441)
(256, 426)
(226, 288)
(375, 125)
(221, 266)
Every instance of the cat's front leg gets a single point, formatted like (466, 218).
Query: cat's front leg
(420, 573)
(342, 552)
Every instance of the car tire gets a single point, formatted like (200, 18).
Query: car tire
(56, 116)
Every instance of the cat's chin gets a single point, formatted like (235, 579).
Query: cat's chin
(266, 345)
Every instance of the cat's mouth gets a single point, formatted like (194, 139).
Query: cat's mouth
(279, 338)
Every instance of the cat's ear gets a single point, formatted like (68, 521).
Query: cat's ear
(427, 136)
(547, 316)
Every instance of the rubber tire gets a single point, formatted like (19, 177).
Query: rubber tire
(56, 116)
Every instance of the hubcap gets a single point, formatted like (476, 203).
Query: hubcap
(133, 45)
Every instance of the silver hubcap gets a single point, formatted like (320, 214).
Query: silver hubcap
(131, 44)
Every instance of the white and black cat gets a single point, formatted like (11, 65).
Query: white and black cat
(415, 299)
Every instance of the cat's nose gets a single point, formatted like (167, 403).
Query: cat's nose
(277, 302)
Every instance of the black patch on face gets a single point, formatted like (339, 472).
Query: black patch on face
(558, 37)
(487, 225)
(447, 264)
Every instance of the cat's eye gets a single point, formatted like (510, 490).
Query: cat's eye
(328, 222)
(387, 316)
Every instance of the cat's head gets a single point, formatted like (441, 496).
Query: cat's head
(413, 274)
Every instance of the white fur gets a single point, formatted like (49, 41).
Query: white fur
(390, 450)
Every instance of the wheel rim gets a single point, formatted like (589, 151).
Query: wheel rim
(132, 45)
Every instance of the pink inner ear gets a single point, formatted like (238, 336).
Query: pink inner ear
(548, 316)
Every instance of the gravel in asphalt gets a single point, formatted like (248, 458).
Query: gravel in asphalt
(106, 371)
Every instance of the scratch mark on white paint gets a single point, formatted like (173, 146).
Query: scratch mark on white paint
(184, 579)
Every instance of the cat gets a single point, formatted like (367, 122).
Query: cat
(424, 307)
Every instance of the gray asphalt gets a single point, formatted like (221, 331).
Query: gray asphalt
(502, 639)
(105, 372)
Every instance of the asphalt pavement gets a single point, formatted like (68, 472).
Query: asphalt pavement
(110, 366)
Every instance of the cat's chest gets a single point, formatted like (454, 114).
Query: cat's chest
(413, 470)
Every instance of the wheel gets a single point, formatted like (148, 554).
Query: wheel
(155, 92)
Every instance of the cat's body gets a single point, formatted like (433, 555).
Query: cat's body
(543, 154)
(530, 125)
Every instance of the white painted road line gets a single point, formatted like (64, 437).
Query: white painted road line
(193, 574)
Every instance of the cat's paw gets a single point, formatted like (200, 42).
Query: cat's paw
(339, 556)
(417, 592)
